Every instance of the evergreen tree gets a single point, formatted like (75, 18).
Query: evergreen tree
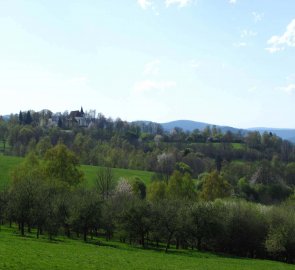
(59, 123)
(20, 118)
(28, 119)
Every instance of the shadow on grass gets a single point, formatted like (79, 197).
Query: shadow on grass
(161, 249)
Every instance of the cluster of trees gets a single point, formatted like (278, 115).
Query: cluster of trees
(50, 196)
(258, 167)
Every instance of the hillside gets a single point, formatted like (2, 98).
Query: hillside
(65, 254)
(188, 125)
(285, 133)
(7, 163)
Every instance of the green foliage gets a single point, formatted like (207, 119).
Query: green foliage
(86, 212)
(215, 186)
(246, 228)
(181, 187)
(104, 182)
(290, 174)
(63, 165)
(281, 237)
(157, 191)
(28, 180)
(139, 187)
(183, 168)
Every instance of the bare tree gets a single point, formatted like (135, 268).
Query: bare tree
(105, 182)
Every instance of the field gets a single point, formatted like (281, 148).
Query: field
(30, 253)
(7, 163)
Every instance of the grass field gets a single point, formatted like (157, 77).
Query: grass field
(7, 163)
(18, 252)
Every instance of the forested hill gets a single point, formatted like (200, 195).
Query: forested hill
(202, 184)
(188, 125)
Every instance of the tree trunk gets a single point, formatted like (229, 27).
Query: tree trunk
(168, 242)
(85, 234)
(142, 239)
(22, 227)
(199, 243)
(177, 243)
(67, 230)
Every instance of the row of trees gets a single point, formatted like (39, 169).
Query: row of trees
(51, 197)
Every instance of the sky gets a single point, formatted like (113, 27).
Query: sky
(225, 62)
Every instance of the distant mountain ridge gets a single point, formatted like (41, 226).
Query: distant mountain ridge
(189, 125)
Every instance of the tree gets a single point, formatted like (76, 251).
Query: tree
(3, 133)
(246, 228)
(20, 118)
(215, 186)
(166, 219)
(290, 174)
(59, 123)
(156, 191)
(28, 118)
(61, 164)
(166, 164)
(280, 241)
(86, 212)
(139, 187)
(135, 220)
(105, 182)
(253, 140)
(43, 146)
(25, 191)
(181, 187)
(3, 204)
(205, 223)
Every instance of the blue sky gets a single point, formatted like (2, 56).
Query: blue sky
(228, 62)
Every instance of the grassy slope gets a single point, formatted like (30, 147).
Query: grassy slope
(7, 163)
(29, 253)
(90, 173)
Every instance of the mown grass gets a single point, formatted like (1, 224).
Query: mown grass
(8, 163)
(18, 252)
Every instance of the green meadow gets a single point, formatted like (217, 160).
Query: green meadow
(7, 163)
(18, 252)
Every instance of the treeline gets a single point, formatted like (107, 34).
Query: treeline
(117, 143)
(49, 196)
(258, 168)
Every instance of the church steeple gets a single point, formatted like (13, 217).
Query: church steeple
(82, 112)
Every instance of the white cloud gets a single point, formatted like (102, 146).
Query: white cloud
(257, 17)
(232, 1)
(248, 34)
(152, 68)
(144, 4)
(245, 35)
(289, 89)
(180, 3)
(148, 85)
(278, 43)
